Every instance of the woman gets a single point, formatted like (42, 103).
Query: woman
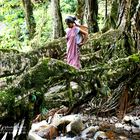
(74, 42)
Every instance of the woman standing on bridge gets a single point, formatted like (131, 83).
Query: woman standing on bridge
(74, 41)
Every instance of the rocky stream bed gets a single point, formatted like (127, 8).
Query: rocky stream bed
(87, 127)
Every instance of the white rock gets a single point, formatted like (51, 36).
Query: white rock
(54, 89)
(91, 129)
(37, 125)
(34, 136)
(127, 118)
(134, 118)
(100, 135)
(123, 138)
(70, 118)
(111, 121)
(65, 138)
(105, 119)
(127, 128)
(56, 120)
(100, 118)
(135, 130)
(118, 126)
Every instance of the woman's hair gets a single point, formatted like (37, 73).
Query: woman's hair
(70, 19)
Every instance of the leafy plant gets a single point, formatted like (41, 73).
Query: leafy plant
(68, 6)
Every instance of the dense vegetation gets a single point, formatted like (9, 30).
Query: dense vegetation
(109, 80)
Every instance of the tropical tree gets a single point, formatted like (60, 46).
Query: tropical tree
(124, 16)
(12, 27)
(58, 30)
(68, 6)
(30, 21)
(80, 10)
(92, 14)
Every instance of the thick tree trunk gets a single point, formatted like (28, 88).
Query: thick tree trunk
(58, 30)
(111, 20)
(125, 16)
(30, 21)
(92, 15)
(128, 21)
(80, 10)
(135, 27)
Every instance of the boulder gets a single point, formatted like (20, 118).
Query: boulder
(100, 135)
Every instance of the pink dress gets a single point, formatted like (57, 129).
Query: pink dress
(73, 53)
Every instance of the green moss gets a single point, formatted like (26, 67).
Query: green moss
(6, 101)
(106, 38)
(135, 58)
(114, 10)
(9, 50)
(40, 74)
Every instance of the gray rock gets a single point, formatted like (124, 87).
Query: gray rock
(111, 121)
(135, 130)
(88, 131)
(75, 126)
(94, 118)
(136, 123)
(100, 118)
(115, 119)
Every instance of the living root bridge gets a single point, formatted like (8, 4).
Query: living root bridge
(15, 63)
(52, 72)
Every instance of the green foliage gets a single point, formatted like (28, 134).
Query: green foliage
(68, 6)
(135, 58)
(14, 33)
(43, 18)
(6, 100)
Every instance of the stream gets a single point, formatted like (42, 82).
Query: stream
(77, 127)
(87, 127)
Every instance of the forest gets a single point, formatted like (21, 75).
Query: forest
(42, 97)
